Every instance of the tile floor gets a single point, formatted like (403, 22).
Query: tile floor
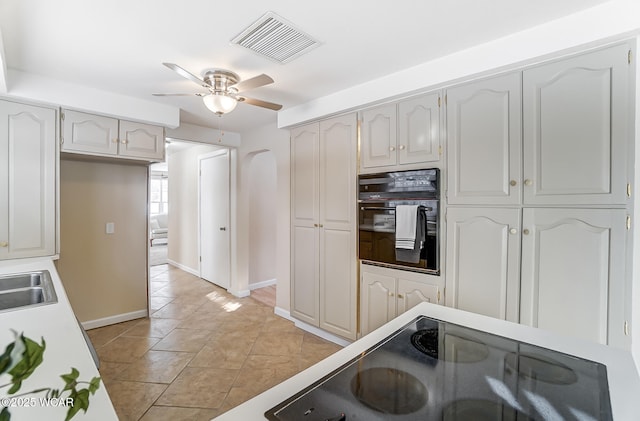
(201, 352)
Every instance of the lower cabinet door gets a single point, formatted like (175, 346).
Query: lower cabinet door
(412, 293)
(573, 271)
(483, 255)
(378, 301)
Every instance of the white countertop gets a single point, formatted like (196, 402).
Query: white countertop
(624, 381)
(65, 348)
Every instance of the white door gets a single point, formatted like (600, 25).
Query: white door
(412, 293)
(418, 129)
(89, 133)
(379, 137)
(214, 218)
(141, 140)
(573, 270)
(377, 301)
(483, 255)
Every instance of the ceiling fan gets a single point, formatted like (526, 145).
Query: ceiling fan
(224, 88)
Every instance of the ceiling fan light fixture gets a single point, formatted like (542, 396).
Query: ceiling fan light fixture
(219, 104)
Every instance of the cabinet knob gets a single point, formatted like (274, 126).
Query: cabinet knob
(114, 140)
(392, 148)
(315, 225)
(401, 147)
(513, 183)
(4, 244)
(223, 228)
(391, 294)
(513, 231)
(124, 141)
(528, 182)
(400, 296)
(525, 231)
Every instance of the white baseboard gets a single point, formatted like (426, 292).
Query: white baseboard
(311, 329)
(111, 320)
(262, 284)
(183, 267)
(240, 294)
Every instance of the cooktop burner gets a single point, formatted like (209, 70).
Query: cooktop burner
(541, 368)
(434, 370)
(389, 390)
(460, 349)
(481, 410)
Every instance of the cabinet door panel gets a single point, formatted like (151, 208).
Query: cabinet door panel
(305, 283)
(27, 181)
(338, 173)
(304, 175)
(338, 282)
(89, 133)
(576, 128)
(141, 141)
(412, 293)
(378, 301)
(484, 141)
(379, 137)
(483, 261)
(573, 271)
(418, 130)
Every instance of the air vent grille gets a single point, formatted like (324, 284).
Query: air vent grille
(275, 38)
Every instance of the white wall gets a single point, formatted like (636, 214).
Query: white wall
(183, 205)
(255, 143)
(262, 218)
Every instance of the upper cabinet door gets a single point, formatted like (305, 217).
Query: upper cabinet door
(304, 175)
(141, 141)
(27, 181)
(576, 126)
(379, 137)
(89, 133)
(484, 141)
(418, 130)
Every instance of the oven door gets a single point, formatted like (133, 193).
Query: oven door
(377, 239)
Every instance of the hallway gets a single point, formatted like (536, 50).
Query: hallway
(201, 352)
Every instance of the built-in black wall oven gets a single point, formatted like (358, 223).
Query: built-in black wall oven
(379, 195)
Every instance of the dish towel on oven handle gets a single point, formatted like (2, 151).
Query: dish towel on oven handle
(410, 233)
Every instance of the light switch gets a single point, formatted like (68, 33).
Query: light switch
(110, 227)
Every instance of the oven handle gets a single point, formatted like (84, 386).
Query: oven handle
(391, 208)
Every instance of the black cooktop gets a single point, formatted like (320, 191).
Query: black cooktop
(435, 370)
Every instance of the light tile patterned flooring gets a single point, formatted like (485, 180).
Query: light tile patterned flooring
(201, 352)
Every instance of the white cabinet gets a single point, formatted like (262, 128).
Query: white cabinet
(385, 294)
(27, 180)
(577, 128)
(483, 261)
(324, 249)
(406, 133)
(97, 135)
(573, 270)
(484, 141)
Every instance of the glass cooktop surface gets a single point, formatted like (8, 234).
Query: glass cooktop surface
(435, 370)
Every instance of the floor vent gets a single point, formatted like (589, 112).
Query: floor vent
(275, 38)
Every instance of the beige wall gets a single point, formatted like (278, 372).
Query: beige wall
(183, 204)
(104, 275)
(276, 141)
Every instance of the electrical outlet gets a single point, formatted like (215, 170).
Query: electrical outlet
(110, 227)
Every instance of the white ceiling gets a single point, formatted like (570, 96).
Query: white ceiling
(119, 45)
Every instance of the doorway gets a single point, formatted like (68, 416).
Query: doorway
(213, 217)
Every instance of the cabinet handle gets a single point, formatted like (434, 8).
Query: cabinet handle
(4, 244)
(525, 231)
(400, 296)
(391, 294)
(528, 182)
(513, 231)
(392, 148)
(401, 147)
(124, 141)
(513, 183)
(114, 140)
(315, 225)
(320, 225)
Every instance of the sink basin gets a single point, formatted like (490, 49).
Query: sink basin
(21, 290)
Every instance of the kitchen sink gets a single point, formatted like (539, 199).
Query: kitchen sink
(21, 290)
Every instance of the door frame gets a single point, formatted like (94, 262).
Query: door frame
(230, 220)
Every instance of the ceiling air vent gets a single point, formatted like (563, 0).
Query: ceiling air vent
(275, 38)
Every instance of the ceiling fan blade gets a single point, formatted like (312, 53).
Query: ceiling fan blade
(254, 82)
(197, 94)
(185, 74)
(260, 103)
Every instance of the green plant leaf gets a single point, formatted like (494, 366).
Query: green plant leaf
(5, 415)
(80, 401)
(5, 359)
(94, 385)
(70, 380)
(31, 359)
